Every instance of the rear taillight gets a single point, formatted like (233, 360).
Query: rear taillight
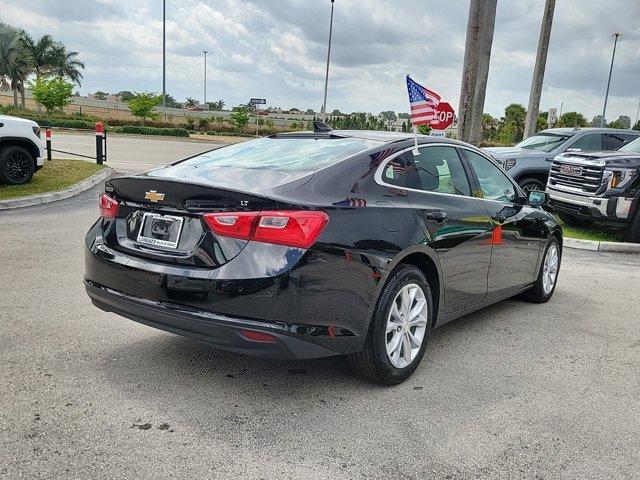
(294, 228)
(108, 206)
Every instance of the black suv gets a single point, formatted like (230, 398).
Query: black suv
(600, 187)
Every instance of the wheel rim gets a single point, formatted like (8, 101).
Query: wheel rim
(531, 187)
(406, 325)
(17, 166)
(550, 269)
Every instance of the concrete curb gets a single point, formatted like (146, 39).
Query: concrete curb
(58, 195)
(617, 247)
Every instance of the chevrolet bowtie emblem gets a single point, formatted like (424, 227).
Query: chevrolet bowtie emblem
(154, 196)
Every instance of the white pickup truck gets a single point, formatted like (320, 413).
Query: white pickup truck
(21, 150)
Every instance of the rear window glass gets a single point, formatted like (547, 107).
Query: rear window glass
(287, 154)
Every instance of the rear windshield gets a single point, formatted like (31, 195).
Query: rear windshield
(287, 154)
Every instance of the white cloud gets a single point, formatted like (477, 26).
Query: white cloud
(277, 49)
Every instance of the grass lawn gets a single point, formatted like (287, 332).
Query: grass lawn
(55, 175)
(594, 232)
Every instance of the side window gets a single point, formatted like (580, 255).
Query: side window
(494, 184)
(395, 172)
(613, 141)
(440, 170)
(588, 143)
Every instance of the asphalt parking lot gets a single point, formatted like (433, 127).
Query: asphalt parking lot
(514, 391)
(130, 153)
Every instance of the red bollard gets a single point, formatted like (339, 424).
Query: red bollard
(99, 140)
(47, 136)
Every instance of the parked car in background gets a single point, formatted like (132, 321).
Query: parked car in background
(598, 187)
(321, 243)
(21, 150)
(529, 161)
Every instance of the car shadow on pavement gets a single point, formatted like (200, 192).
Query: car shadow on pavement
(167, 357)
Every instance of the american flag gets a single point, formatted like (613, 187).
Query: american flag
(423, 103)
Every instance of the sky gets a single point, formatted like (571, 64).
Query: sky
(276, 49)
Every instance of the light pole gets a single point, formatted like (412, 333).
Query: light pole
(205, 79)
(326, 77)
(164, 62)
(606, 95)
(637, 112)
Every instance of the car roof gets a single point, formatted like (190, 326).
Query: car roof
(381, 136)
(575, 130)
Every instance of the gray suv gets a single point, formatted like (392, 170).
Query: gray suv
(530, 160)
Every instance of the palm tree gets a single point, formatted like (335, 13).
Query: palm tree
(42, 52)
(66, 63)
(15, 62)
(191, 102)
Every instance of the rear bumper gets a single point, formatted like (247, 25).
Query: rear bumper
(219, 330)
(611, 209)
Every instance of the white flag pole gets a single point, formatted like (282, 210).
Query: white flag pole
(415, 138)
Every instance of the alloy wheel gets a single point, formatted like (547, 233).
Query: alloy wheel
(550, 269)
(406, 325)
(18, 167)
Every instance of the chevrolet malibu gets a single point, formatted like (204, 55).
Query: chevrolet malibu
(313, 244)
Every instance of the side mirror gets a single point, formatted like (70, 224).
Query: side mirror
(537, 198)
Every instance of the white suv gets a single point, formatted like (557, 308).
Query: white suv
(21, 150)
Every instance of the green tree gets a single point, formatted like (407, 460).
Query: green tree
(41, 51)
(637, 125)
(15, 61)
(508, 134)
(514, 115)
(542, 121)
(190, 102)
(52, 94)
(389, 116)
(240, 117)
(100, 95)
(572, 119)
(125, 95)
(490, 127)
(67, 64)
(217, 105)
(270, 126)
(142, 104)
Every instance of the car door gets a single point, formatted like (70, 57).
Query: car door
(455, 224)
(518, 229)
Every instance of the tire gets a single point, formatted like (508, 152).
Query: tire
(575, 221)
(373, 362)
(16, 165)
(531, 184)
(540, 293)
(633, 233)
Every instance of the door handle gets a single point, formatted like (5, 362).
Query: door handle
(436, 215)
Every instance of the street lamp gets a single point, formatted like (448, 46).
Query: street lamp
(326, 77)
(606, 95)
(205, 78)
(164, 62)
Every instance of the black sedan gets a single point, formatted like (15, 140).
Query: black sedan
(321, 243)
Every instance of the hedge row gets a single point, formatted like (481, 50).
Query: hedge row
(65, 123)
(172, 132)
